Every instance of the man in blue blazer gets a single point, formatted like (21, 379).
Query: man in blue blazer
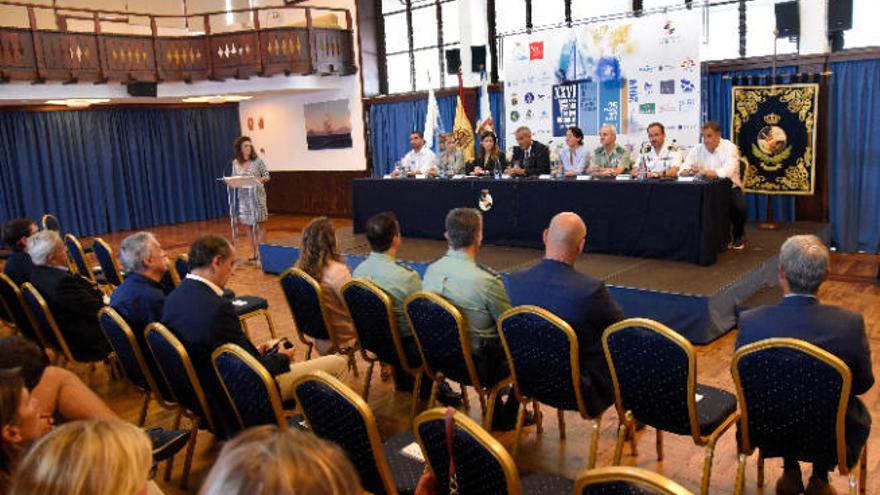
(581, 300)
(803, 266)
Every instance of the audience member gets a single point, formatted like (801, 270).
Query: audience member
(98, 457)
(320, 258)
(198, 314)
(20, 423)
(803, 266)
(581, 300)
(530, 157)
(266, 460)
(19, 266)
(73, 300)
(479, 295)
(399, 282)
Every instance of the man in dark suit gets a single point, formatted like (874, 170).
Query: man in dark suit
(581, 300)
(73, 300)
(198, 314)
(15, 234)
(530, 157)
(803, 266)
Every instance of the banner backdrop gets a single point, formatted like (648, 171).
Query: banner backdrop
(627, 72)
(775, 130)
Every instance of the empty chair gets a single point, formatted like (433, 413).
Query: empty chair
(109, 264)
(654, 371)
(482, 465)
(445, 346)
(372, 312)
(625, 480)
(335, 412)
(19, 315)
(542, 353)
(793, 397)
(77, 257)
(50, 222)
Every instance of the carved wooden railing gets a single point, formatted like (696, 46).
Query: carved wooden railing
(60, 55)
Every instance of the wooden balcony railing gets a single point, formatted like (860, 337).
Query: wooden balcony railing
(41, 55)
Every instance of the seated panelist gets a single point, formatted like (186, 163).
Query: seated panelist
(530, 158)
(419, 160)
(610, 159)
(573, 155)
(489, 159)
(659, 158)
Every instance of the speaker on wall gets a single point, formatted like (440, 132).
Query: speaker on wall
(142, 89)
(839, 15)
(788, 21)
(478, 58)
(453, 60)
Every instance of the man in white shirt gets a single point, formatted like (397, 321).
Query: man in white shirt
(660, 159)
(420, 160)
(718, 157)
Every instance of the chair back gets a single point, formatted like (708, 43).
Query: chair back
(179, 268)
(654, 373)
(793, 394)
(625, 480)
(251, 390)
(336, 413)
(444, 342)
(178, 372)
(12, 299)
(50, 222)
(303, 295)
(43, 320)
(482, 465)
(550, 371)
(78, 256)
(109, 264)
(372, 312)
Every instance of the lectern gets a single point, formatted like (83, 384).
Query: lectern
(235, 186)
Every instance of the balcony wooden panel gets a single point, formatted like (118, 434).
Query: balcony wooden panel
(235, 55)
(182, 59)
(68, 56)
(128, 58)
(17, 55)
(285, 50)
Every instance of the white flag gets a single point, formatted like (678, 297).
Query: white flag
(485, 123)
(432, 120)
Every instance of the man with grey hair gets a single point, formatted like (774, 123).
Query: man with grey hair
(73, 300)
(530, 157)
(479, 295)
(140, 298)
(803, 266)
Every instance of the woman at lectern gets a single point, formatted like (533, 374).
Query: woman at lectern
(490, 159)
(251, 211)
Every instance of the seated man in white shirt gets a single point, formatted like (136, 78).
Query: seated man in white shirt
(718, 157)
(660, 159)
(419, 160)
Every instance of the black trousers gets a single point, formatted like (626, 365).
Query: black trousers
(738, 213)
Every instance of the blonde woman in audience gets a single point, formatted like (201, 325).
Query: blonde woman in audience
(20, 423)
(100, 457)
(320, 258)
(266, 460)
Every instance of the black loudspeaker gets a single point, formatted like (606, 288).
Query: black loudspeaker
(478, 58)
(839, 15)
(453, 61)
(142, 89)
(788, 20)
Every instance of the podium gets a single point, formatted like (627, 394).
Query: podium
(235, 185)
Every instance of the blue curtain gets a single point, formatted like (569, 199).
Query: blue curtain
(717, 106)
(116, 169)
(854, 155)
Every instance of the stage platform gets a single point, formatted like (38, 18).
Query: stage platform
(700, 302)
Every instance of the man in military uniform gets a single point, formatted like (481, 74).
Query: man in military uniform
(399, 282)
(450, 160)
(660, 159)
(610, 159)
(480, 296)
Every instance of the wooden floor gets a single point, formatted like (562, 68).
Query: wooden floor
(852, 285)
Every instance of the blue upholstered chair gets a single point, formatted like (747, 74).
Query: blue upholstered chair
(546, 372)
(793, 396)
(179, 268)
(181, 379)
(109, 263)
(625, 480)
(372, 312)
(18, 313)
(45, 322)
(336, 413)
(654, 371)
(306, 303)
(251, 390)
(77, 256)
(49, 222)
(445, 346)
(482, 465)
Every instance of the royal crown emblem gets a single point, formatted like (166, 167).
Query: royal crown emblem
(772, 119)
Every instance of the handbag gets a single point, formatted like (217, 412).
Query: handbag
(428, 484)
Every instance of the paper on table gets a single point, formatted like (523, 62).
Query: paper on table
(686, 178)
(387, 176)
(413, 452)
(420, 176)
(623, 177)
(545, 176)
(239, 302)
(583, 177)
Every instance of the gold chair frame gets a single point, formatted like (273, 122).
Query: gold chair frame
(840, 424)
(194, 418)
(574, 362)
(486, 395)
(27, 311)
(50, 318)
(627, 421)
(260, 370)
(44, 218)
(641, 477)
(483, 437)
(367, 417)
(172, 267)
(113, 258)
(82, 253)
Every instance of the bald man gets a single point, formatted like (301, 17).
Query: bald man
(579, 299)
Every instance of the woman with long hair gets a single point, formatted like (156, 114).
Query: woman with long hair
(320, 258)
(20, 423)
(489, 158)
(252, 210)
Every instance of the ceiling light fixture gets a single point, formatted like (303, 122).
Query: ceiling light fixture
(78, 102)
(216, 99)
